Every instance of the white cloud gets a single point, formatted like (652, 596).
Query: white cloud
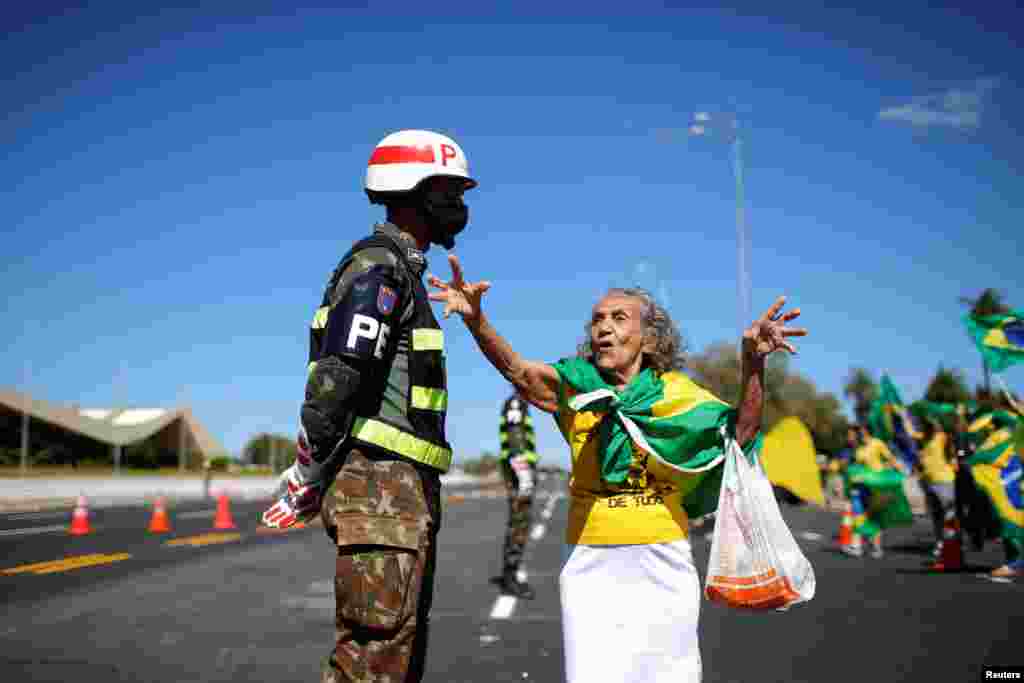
(959, 108)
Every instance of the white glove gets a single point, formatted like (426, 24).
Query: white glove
(521, 466)
(300, 490)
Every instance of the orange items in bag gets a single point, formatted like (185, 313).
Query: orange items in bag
(766, 591)
(755, 562)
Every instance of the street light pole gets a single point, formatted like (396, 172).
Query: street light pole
(729, 126)
(24, 440)
(25, 373)
(742, 248)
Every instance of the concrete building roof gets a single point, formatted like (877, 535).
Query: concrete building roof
(117, 427)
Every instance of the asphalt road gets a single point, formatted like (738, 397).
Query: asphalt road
(245, 605)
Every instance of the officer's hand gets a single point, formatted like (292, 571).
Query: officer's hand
(458, 295)
(300, 498)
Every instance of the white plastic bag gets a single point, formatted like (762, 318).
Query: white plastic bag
(755, 562)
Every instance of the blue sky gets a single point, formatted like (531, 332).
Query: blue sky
(179, 185)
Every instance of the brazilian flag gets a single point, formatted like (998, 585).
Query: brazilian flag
(887, 410)
(1000, 338)
(891, 422)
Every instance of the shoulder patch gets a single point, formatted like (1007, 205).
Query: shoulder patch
(386, 298)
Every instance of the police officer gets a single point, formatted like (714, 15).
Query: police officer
(373, 419)
(519, 467)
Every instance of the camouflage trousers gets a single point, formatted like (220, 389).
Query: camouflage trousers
(518, 530)
(384, 514)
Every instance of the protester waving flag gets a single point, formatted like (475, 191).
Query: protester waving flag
(997, 471)
(1000, 338)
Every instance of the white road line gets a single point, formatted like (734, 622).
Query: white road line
(35, 515)
(196, 515)
(549, 507)
(503, 607)
(811, 535)
(310, 602)
(28, 531)
(506, 604)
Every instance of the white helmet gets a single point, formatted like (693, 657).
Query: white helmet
(404, 159)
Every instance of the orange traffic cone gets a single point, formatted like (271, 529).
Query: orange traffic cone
(159, 524)
(846, 528)
(223, 519)
(80, 518)
(951, 558)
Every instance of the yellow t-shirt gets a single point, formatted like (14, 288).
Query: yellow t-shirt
(646, 508)
(934, 465)
(875, 454)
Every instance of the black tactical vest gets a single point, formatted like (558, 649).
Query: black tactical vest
(403, 399)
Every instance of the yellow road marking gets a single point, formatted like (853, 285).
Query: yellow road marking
(279, 529)
(66, 564)
(204, 539)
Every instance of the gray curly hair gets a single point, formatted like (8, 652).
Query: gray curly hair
(669, 350)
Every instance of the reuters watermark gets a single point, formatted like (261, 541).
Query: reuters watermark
(1002, 673)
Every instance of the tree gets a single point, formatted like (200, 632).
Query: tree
(276, 450)
(482, 466)
(947, 386)
(862, 389)
(989, 302)
(786, 393)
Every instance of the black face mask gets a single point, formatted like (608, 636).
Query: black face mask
(446, 216)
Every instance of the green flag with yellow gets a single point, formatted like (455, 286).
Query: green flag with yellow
(1000, 338)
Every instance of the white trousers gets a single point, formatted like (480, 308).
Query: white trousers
(629, 613)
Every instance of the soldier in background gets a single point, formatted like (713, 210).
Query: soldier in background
(373, 420)
(519, 468)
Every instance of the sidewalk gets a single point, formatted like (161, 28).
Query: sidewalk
(31, 494)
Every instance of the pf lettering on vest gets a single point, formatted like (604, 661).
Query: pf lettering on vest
(365, 327)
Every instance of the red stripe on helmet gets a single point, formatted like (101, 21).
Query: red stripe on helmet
(402, 154)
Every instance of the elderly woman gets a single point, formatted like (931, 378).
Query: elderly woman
(646, 446)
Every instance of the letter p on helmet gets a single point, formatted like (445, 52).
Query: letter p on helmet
(447, 152)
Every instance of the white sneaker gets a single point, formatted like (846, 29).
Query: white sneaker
(877, 552)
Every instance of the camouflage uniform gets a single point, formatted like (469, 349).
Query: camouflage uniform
(384, 511)
(519, 467)
(384, 514)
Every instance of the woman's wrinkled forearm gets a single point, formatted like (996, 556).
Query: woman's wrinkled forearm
(750, 408)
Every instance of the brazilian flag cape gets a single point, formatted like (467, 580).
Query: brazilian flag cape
(998, 472)
(667, 416)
